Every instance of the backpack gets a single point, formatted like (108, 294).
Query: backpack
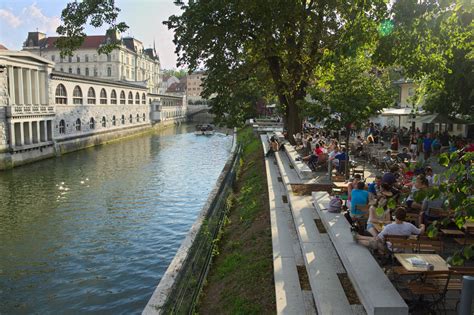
(335, 205)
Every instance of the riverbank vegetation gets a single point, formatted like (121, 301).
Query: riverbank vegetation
(240, 280)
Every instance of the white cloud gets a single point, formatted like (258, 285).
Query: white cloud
(37, 19)
(10, 18)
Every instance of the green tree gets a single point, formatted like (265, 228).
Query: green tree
(349, 91)
(285, 40)
(457, 188)
(78, 14)
(177, 73)
(433, 40)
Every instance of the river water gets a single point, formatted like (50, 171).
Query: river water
(93, 231)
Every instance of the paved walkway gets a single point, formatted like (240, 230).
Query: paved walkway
(302, 254)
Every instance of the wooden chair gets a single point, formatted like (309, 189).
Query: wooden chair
(433, 284)
(426, 244)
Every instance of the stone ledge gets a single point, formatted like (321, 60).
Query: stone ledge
(376, 292)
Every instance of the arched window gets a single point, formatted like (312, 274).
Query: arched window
(104, 122)
(122, 97)
(137, 99)
(114, 121)
(123, 119)
(109, 71)
(144, 116)
(61, 94)
(91, 96)
(138, 118)
(92, 123)
(103, 96)
(78, 59)
(143, 99)
(130, 118)
(113, 97)
(78, 124)
(77, 95)
(62, 127)
(130, 98)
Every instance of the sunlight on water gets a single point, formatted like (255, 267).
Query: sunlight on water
(93, 231)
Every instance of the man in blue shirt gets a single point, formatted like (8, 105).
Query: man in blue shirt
(341, 157)
(359, 197)
(427, 146)
(375, 186)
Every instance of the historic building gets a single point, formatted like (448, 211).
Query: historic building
(194, 87)
(44, 112)
(130, 62)
(27, 111)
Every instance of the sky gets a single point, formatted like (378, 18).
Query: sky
(144, 17)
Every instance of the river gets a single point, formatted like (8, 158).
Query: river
(93, 231)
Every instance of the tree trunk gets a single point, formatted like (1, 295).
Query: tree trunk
(348, 167)
(294, 121)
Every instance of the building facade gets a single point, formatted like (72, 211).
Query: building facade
(44, 113)
(129, 62)
(194, 88)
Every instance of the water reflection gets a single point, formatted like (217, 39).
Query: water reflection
(93, 231)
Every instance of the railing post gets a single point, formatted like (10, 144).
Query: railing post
(467, 294)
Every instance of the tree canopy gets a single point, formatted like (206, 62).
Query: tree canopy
(77, 15)
(433, 41)
(281, 42)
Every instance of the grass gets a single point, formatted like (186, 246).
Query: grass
(241, 277)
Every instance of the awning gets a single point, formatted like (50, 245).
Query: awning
(397, 111)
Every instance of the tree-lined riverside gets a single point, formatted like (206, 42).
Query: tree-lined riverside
(93, 231)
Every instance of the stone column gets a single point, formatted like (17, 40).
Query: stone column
(21, 91)
(37, 87)
(11, 85)
(22, 134)
(46, 131)
(28, 90)
(12, 135)
(38, 132)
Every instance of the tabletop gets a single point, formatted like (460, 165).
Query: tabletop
(340, 184)
(436, 260)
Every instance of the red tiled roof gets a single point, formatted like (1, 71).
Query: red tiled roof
(3, 47)
(91, 41)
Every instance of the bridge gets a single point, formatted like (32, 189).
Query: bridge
(197, 109)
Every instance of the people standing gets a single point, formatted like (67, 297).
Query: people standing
(427, 141)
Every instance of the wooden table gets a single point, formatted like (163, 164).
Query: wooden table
(452, 232)
(341, 185)
(436, 260)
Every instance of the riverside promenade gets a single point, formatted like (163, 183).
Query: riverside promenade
(312, 272)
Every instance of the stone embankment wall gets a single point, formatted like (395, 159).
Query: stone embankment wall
(179, 287)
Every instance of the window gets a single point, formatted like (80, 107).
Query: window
(95, 72)
(123, 119)
(61, 59)
(143, 98)
(78, 59)
(62, 127)
(87, 58)
(91, 96)
(70, 70)
(138, 118)
(78, 124)
(144, 116)
(62, 69)
(61, 94)
(103, 96)
(78, 70)
(77, 95)
(122, 97)
(113, 97)
(104, 122)
(87, 71)
(137, 98)
(114, 121)
(70, 58)
(130, 118)
(130, 98)
(92, 123)
(109, 58)
(109, 71)
(52, 58)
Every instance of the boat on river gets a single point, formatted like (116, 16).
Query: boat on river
(204, 129)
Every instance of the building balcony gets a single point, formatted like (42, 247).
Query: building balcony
(28, 110)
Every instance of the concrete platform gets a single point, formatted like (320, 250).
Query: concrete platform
(377, 293)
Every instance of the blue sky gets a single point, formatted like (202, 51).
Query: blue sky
(144, 17)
